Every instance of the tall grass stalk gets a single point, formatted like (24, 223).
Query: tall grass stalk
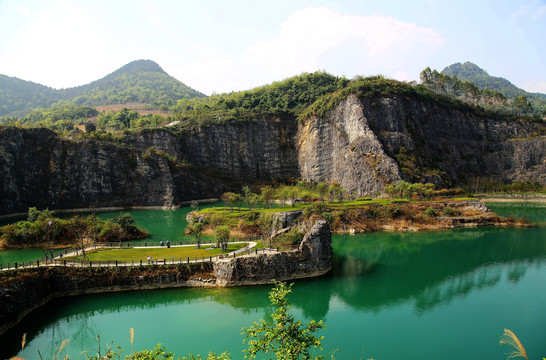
(510, 339)
(132, 332)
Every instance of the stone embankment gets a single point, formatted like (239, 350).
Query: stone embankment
(22, 291)
(312, 258)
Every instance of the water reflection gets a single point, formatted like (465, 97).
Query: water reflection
(442, 267)
(372, 273)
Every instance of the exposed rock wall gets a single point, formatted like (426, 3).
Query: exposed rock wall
(356, 145)
(312, 258)
(342, 147)
(358, 142)
(259, 149)
(43, 284)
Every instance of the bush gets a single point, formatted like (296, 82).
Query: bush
(431, 212)
(218, 219)
(292, 237)
(449, 211)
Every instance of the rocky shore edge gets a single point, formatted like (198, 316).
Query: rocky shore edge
(22, 291)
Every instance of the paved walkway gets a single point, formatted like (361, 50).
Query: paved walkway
(61, 261)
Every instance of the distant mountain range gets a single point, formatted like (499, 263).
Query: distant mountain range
(145, 82)
(468, 71)
(141, 81)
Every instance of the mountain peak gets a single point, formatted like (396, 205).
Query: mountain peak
(139, 66)
(464, 70)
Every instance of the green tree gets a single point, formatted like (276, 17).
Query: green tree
(195, 228)
(222, 236)
(285, 337)
(322, 189)
(266, 226)
(247, 193)
(294, 193)
(267, 195)
(228, 198)
(522, 105)
(335, 191)
(283, 193)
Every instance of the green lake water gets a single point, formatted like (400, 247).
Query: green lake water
(427, 295)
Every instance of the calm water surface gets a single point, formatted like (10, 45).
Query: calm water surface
(427, 295)
(160, 224)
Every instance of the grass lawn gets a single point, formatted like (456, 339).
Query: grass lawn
(156, 253)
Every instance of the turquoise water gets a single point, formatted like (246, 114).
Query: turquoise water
(447, 295)
(162, 225)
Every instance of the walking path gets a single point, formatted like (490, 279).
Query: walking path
(61, 260)
(251, 244)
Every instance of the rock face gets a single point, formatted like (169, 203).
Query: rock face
(312, 258)
(42, 284)
(40, 169)
(363, 144)
(357, 145)
(342, 147)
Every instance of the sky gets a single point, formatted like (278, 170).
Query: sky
(218, 46)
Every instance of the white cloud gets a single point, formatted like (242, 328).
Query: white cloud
(536, 86)
(317, 38)
(533, 10)
(539, 12)
(70, 43)
(65, 45)
(24, 10)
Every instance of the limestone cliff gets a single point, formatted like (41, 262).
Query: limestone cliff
(363, 143)
(40, 169)
(366, 143)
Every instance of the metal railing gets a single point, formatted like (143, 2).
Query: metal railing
(127, 263)
(120, 244)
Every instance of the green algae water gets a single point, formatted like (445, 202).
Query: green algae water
(162, 225)
(445, 294)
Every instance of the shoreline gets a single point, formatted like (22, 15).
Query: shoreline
(112, 208)
(514, 200)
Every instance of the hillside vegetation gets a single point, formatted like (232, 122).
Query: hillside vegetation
(18, 97)
(141, 81)
(287, 97)
(309, 94)
(472, 73)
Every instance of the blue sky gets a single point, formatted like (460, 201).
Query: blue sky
(222, 46)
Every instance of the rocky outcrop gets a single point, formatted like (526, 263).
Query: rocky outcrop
(41, 169)
(342, 147)
(363, 143)
(357, 145)
(259, 149)
(312, 258)
(35, 287)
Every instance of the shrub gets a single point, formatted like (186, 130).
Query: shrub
(291, 237)
(431, 212)
(218, 219)
(449, 211)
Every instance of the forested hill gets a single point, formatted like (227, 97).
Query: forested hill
(468, 71)
(18, 97)
(141, 81)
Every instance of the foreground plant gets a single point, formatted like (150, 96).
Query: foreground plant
(287, 338)
(510, 339)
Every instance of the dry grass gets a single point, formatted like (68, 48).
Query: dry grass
(510, 339)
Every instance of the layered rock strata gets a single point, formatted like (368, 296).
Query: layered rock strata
(363, 143)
